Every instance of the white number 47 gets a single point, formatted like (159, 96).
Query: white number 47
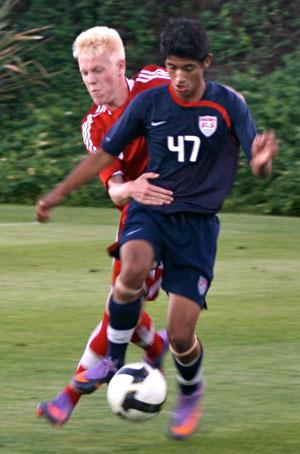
(180, 147)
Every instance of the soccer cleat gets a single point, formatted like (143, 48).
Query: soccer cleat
(57, 411)
(157, 362)
(88, 381)
(187, 414)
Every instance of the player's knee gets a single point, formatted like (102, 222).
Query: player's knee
(126, 293)
(182, 341)
(137, 259)
(134, 273)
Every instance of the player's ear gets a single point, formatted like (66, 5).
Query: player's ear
(121, 67)
(208, 60)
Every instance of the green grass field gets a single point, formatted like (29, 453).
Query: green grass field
(54, 280)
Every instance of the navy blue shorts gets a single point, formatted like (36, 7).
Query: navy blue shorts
(186, 243)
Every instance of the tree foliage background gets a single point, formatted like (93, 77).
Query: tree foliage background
(257, 51)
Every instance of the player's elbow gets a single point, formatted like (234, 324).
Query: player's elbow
(102, 159)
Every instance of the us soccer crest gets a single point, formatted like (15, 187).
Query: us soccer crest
(202, 285)
(208, 125)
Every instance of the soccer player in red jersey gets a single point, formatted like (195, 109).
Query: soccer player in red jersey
(101, 58)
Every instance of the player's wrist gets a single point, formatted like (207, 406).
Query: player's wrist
(128, 190)
(260, 168)
(121, 193)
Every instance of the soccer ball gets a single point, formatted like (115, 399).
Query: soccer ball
(137, 391)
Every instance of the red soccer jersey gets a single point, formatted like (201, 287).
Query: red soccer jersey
(133, 159)
(99, 119)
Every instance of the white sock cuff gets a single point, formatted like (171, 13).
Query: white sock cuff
(118, 336)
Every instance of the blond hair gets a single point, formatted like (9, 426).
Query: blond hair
(97, 41)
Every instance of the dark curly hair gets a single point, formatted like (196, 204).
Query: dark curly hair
(184, 38)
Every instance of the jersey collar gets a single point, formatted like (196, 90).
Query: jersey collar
(180, 101)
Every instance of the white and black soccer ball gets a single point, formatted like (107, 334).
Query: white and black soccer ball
(137, 391)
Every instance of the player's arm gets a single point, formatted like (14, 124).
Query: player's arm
(117, 139)
(82, 173)
(140, 190)
(260, 149)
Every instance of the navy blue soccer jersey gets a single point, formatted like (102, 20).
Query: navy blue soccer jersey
(193, 146)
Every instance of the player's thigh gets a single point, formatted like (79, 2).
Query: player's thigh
(140, 242)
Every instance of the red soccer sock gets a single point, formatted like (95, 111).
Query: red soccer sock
(72, 393)
(142, 336)
(99, 344)
(79, 369)
(155, 349)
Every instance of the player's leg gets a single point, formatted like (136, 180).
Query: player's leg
(187, 276)
(155, 344)
(145, 336)
(59, 409)
(124, 307)
(187, 354)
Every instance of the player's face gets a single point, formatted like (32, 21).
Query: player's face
(187, 77)
(102, 76)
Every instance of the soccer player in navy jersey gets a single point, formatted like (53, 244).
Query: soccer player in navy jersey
(194, 129)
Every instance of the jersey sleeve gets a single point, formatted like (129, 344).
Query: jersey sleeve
(243, 124)
(91, 130)
(128, 127)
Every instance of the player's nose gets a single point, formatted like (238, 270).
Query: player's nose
(91, 79)
(179, 76)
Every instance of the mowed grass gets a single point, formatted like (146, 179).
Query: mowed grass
(54, 280)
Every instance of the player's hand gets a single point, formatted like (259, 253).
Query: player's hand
(144, 192)
(264, 148)
(44, 205)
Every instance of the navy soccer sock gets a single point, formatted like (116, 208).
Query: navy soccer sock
(123, 319)
(189, 374)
